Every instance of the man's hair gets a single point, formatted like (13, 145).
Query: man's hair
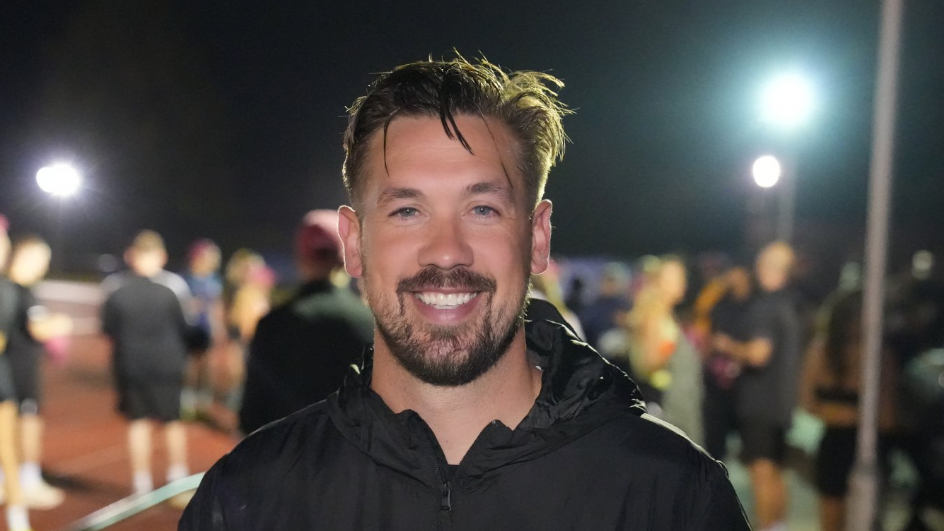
(525, 102)
(147, 241)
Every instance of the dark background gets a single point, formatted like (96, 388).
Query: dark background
(223, 119)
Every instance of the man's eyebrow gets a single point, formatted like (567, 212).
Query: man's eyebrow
(393, 194)
(490, 188)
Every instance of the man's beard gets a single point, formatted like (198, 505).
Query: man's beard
(448, 356)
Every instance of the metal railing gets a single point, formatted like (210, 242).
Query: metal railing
(135, 504)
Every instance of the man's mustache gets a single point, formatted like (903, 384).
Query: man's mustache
(458, 278)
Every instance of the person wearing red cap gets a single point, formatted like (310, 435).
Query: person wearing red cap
(302, 349)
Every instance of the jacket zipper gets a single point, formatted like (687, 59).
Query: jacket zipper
(445, 500)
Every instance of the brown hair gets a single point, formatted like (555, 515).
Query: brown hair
(526, 102)
(147, 241)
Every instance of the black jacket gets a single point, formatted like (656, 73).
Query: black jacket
(586, 457)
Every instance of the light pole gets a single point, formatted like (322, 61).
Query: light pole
(60, 181)
(786, 104)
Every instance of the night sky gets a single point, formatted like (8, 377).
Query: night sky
(223, 119)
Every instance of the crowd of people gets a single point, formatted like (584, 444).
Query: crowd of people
(180, 346)
(206, 345)
(748, 349)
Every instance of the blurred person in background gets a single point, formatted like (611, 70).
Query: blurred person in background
(249, 282)
(17, 517)
(916, 298)
(610, 306)
(713, 268)
(662, 360)
(303, 348)
(237, 267)
(830, 390)
(230, 365)
(145, 321)
(729, 316)
(575, 295)
(208, 328)
(546, 286)
(767, 386)
(252, 282)
(34, 326)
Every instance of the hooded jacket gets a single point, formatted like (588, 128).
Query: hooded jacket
(586, 457)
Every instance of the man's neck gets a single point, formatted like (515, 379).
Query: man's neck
(458, 414)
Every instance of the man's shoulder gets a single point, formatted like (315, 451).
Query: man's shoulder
(640, 450)
(114, 282)
(647, 439)
(175, 282)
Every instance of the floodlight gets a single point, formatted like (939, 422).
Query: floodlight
(787, 101)
(60, 180)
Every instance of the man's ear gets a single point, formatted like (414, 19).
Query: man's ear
(541, 237)
(349, 228)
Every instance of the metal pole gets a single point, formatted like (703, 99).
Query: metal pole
(860, 511)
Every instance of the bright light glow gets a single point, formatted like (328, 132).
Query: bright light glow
(766, 171)
(61, 179)
(787, 101)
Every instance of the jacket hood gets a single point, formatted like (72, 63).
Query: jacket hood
(580, 392)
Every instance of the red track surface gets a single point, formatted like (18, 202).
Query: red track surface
(85, 450)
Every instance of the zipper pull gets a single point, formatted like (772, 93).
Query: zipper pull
(445, 503)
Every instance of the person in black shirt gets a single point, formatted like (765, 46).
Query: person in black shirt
(17, 516)
(730, 317)
(769, 381)
(303, 348)
(146, 324)
(34, 326)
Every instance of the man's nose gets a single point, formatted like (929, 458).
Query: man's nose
(447, 245)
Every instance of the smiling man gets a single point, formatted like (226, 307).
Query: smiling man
(464, 415)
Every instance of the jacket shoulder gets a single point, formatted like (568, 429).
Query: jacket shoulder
(309, 421)
(681, 478)
(658, 447)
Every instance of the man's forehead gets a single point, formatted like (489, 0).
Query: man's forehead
(421, 143)
(482, 133)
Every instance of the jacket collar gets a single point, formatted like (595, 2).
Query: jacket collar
(580, 392)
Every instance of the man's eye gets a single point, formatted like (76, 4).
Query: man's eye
(483, 210)
(405, 212)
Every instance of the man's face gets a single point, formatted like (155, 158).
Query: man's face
(672, 282)
(29, 264)
(445, 242)
(773, 268)
(205, 263)
(146, 263)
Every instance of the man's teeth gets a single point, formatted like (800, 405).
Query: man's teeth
(445, 300)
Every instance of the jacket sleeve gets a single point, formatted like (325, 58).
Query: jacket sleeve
(205, 512)
(724, 511)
